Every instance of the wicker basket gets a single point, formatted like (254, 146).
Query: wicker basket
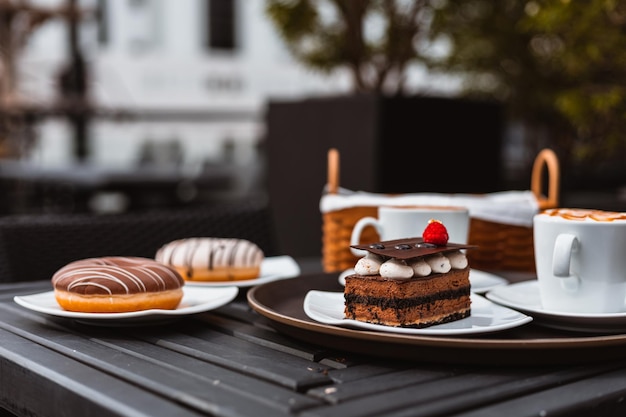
(500, 246)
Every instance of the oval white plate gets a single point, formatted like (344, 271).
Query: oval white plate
(524, 296)
(195, 300)
(272, 268)
(327, 307)
(480, 281)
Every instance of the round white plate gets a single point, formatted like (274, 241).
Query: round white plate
(481, 281)
(272, 269)
(195, 300)
(327, 307)
(524, 296)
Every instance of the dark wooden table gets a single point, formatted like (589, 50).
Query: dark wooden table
(233, 362)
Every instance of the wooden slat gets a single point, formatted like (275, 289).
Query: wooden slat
(376, 384)
(420, 394)
(226, 351)
(202, 379)
(7, 292)
(268, 338)
(409, 396)
(202, 386)
(601, 395)
(38, 381)
(367, 370)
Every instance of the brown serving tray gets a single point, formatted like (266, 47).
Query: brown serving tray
(282, 303)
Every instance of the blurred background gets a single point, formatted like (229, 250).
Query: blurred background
(129, 105)
(110, 106)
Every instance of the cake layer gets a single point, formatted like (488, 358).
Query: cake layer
(414, 317)
(415, 302)
(377, 286)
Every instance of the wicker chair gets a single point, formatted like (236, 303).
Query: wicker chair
(33, 247)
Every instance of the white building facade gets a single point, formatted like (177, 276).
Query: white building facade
(155, 55)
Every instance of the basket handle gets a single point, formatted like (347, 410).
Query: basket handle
(547, 158)
(333, 171)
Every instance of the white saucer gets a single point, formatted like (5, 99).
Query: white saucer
(327, 307)
(195, 300)
(481, 281)
(524, 297)
(272, 269)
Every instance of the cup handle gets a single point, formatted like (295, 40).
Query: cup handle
(564, 245)
(355, 239)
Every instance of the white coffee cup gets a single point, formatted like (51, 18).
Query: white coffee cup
(580, 257)
(397, 222)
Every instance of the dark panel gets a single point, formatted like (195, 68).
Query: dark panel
(440, 145)
(299, 136)
(386, 145)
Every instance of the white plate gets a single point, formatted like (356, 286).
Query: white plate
(524, 296)
(272, 268)
(481, 281)
(327, 307)
(195, 300)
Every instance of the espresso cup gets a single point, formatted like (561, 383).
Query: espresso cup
(398, 222)
(580, 258)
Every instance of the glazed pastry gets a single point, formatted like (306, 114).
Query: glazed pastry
(213, 259)
(117, 284)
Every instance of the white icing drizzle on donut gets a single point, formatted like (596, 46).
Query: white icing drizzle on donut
(131, 274)
(210, 253)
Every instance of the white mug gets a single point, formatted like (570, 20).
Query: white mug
(398, 222)
(580, 258)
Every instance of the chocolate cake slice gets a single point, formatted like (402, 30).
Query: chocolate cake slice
(409, 283)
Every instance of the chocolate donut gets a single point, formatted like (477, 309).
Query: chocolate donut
(213, 259)
(117, 284)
